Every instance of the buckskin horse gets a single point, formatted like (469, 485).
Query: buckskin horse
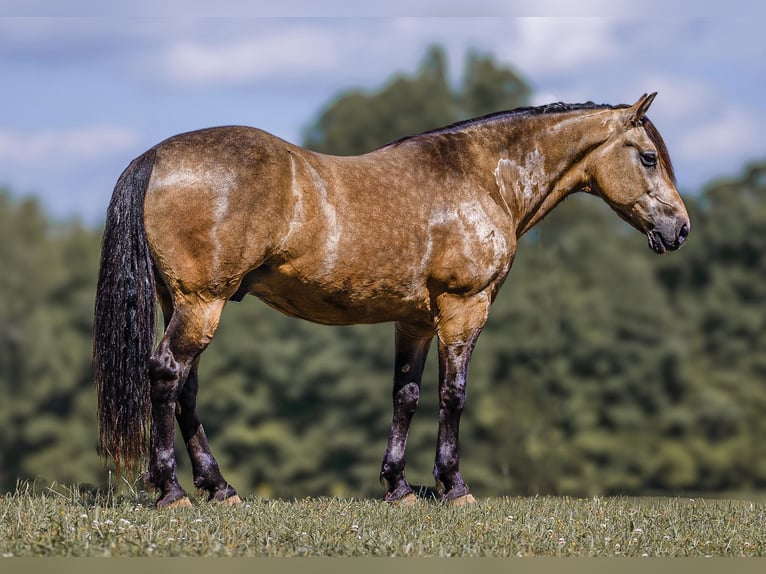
(421, 232)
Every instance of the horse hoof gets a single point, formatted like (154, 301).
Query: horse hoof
(409, 499)
(232, 500)
(465, 500)
(182, 502)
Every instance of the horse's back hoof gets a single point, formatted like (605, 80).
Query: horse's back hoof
(232, 500)
(465, 500)
(182, 502)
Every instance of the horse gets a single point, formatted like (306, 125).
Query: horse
(421, 232)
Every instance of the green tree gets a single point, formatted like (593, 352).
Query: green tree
(576, 359)
(491, 88)
(47, 409)
(358, 122)
(720, 289)
(603, 368)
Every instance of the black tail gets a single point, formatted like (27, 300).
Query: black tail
(123, 330)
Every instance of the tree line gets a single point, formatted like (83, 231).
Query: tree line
(604, 369)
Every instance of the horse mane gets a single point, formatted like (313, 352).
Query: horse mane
(521, 112)
(553, 108)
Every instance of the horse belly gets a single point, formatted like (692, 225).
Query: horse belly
(338, 301)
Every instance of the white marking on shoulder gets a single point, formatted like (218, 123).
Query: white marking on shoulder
(520, 184)
(486, 234)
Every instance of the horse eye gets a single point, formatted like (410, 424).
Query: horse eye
(648, 158)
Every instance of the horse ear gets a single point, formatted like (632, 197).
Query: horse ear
(635, 113)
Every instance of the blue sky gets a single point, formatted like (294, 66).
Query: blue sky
(88, 87)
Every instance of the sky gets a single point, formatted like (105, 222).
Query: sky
(87, 86)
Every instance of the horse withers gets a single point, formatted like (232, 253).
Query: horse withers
(421, 232)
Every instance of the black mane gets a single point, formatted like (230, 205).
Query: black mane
(526, 111)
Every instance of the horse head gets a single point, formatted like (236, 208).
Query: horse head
(632, 172)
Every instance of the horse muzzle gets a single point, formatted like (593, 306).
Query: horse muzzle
(662, 240)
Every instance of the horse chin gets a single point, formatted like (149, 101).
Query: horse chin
(656, 242)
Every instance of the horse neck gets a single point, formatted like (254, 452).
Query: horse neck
(542, 159)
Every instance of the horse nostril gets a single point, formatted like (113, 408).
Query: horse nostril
(683, 233)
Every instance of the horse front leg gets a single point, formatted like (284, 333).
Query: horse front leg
(410, 357)
(460, 323)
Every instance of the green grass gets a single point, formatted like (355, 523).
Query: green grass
(63, 521)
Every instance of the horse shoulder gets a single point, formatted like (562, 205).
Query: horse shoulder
(471, 246)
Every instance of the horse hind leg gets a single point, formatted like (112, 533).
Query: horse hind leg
(207, 474)
(190, 327)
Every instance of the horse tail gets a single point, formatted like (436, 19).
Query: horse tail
(124, 322)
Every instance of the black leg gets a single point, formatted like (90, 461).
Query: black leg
(188, 332)
(410, 358)
(166, 375)
(453, 367)
(462, 322)
(207, 475)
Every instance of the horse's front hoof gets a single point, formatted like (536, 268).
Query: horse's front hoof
(232, 500)
(402, 496)
(224, 495)
(182, 502)
(465, 500)
(458, 495)
(410, 499)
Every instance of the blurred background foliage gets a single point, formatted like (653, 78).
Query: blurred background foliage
(604, 369)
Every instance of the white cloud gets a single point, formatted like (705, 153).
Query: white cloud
(546, 46)
(679, 99)
(292, 51)
(731, 133)
(51, 149)
(353, 8)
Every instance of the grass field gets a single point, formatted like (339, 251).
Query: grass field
(62, 521)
